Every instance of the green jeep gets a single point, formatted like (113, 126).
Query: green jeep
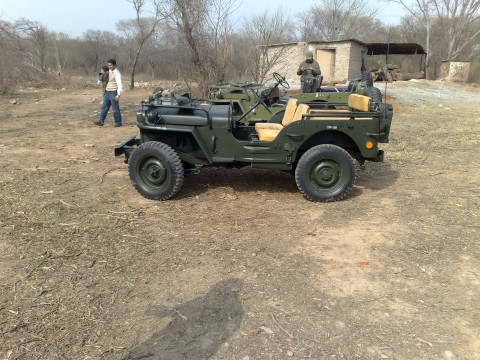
(252, 102)
(318, 145)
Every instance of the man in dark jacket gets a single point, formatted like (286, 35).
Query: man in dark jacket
(309, 69)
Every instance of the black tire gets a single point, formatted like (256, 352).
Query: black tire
(156, 171)
(367, 78)
(373, 93)
(325, 173)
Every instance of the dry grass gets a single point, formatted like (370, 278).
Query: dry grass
(239, 265)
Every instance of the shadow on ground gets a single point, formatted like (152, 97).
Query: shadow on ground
(198, 327)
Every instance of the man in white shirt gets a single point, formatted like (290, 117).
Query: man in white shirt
(112, 95)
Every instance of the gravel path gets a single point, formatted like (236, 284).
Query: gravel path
(431, 93)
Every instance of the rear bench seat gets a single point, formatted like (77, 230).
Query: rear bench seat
(356, 102)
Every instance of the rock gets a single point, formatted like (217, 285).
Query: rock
(266, 329)
(228, 197)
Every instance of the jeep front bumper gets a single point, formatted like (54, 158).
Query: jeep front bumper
(127, 147)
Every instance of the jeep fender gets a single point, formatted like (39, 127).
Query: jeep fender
(187, 135)
(342, 139)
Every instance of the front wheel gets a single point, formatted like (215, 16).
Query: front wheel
(156, 171)
(325, 173)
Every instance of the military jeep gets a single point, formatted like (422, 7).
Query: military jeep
(252, 102)
(319, 146)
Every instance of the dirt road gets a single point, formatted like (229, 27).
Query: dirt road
(239, 265)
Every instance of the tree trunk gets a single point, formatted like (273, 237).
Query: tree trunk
(427, 56)
(134, 65)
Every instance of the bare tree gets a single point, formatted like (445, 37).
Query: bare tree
(423, 11)
(59, 52)
(37, 36)
(29, 52)
(263, 30)
(205, 27)
(140, 29)
(335, 20)
(97, 46)
(460, 19)
(8, 57)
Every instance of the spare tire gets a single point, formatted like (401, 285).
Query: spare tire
(367, 78)
(375, 94)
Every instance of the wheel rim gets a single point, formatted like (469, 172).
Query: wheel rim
(153, 172)
(326, 174)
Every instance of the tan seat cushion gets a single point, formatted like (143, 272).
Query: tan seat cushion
(269, 134)
(289, 111)
(359, 102)
(302, 109)
(287, 117)
(269, 126)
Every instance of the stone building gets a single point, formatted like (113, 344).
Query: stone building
(456, 71)
(339, 61)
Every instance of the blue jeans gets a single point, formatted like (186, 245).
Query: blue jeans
(109, 100)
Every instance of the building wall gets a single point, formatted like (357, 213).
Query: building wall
(294, 55)
(346, 65)
(456, 71)
(355, 69)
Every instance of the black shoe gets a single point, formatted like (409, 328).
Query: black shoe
(118, 125)
(98, 123)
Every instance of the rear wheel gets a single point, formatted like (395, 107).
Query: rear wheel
(325, 173)
(156, 171)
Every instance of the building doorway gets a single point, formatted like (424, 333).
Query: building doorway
(326, 60)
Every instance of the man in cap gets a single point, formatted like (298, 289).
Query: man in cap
(309, 70)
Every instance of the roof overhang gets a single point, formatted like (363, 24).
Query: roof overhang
(395, 49)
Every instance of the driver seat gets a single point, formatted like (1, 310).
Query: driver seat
(287, 117)
(269, 134)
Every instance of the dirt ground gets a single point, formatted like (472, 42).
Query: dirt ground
(239, 265)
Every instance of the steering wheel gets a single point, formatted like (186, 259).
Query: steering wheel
(281, 80)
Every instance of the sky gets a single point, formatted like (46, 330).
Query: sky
(74, 17)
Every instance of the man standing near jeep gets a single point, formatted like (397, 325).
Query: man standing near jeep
(112, 95)
(309, 70)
